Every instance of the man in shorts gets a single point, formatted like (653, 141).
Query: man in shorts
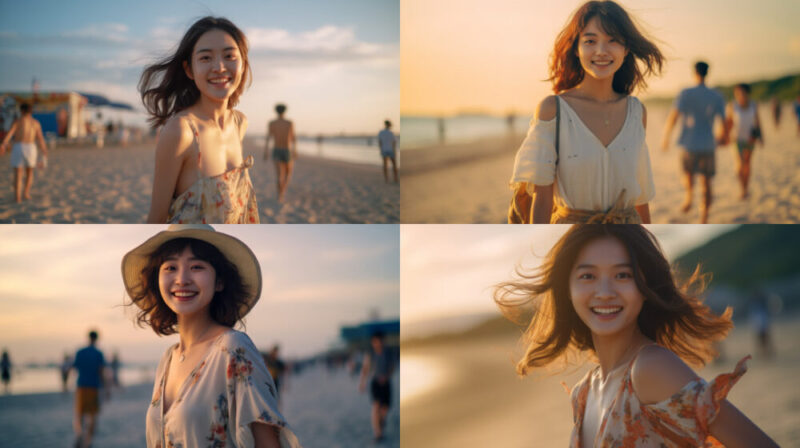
(697, 106)
(26, 132)
(90, 363)
(284, 148)
(388, 145)
(380, 367)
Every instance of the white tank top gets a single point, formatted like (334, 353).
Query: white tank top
(745, 120)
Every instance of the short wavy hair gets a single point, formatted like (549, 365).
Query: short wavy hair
(226, 306)
(673, 315)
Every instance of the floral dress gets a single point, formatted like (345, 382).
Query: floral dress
(227, 198)
(226, 392)
(681, 420)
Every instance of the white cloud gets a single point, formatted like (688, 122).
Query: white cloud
(114, 32)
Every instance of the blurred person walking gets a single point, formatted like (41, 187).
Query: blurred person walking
(284, 149)
(388, 145)
(26, 132)
(90, 364)
(379, 367)
(698, 106)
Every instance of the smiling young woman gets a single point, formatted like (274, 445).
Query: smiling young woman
(608, 290)
(201, 175)
(212, 386)
(598, 168)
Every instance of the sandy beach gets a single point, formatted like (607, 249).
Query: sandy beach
(113, 185)
(324, 408)
(467, 182)
(481, 401)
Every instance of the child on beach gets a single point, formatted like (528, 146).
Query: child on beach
(27, 132)
(609, 290)
(742, 113)
(211, 387)
(597, 169)
(200, 173)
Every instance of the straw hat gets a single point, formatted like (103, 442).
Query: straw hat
(234, 250)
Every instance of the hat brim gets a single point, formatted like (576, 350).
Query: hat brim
(232, 248)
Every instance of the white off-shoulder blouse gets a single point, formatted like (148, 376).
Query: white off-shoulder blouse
(226, 392)
(589, 176)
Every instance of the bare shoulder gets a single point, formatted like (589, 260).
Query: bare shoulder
(658, 373)
(546, 110)
(176, 135)
(241, 118)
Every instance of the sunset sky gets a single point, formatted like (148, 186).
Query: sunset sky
(475, 55)
(449, 271)
(59, 281)
(336, 64)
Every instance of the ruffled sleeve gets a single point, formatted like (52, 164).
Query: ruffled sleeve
(251, 394)
(536, 158)
(687, 415)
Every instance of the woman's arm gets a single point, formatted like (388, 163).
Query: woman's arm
(735, 430)
(644, 212)
(265, 436)
(542, 204)
(173, 141)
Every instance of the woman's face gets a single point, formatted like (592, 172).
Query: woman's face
(604, 293)
(187, 283)
(216, 65)
(600, 54)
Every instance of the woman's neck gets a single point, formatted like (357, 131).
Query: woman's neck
(216, 111)
(195, 329)
(615, 350)
(600, 90)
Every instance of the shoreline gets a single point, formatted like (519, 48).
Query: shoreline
(468, 182)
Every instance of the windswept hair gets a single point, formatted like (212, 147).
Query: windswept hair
(566, 71)
(165, 87)
(225, 307)
(672, 315)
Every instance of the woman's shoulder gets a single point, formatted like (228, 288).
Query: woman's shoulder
(546, 109)
(657, 373)
(232, 340)
(178, 128)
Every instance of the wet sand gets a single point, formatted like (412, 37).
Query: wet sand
(113, 185)
(483, 403)
(468, 182)
(324, 408)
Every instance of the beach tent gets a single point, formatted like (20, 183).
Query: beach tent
(60, 113)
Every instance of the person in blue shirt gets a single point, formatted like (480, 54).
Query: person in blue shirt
(698, 106)
(89, 362)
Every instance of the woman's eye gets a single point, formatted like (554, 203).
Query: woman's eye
(198, 267)
(585, 276)
(624, 275)
(167, 268)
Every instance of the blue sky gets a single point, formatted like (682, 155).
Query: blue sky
(336, 64)
(57, 281)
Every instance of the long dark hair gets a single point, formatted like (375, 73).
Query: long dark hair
(164, 86)
(672, 315)
(226, 306)
(565, 67)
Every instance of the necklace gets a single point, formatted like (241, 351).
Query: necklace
(184, 350)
